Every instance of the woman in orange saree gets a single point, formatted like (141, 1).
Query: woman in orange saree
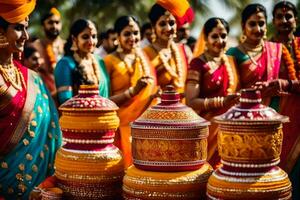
(167, 57)
(212, 80)
(132, 80)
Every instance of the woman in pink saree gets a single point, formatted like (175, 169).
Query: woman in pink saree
(212, 80)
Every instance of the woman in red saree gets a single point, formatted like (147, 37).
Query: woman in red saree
(29, 129)
(212, 80)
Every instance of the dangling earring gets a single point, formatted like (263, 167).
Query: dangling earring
(243, 38)
(265, 36)
(153, 36)
(3, 41)
(119, 48)
(74, 46)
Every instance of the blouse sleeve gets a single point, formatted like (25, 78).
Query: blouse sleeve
(63, 79)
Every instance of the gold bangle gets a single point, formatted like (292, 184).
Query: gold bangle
(131, 91)
(206, 103)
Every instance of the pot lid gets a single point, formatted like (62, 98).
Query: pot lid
(88, 100)
(170, 114)
(250, 110)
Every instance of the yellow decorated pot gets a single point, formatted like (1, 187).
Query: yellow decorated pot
(249, 143)
(89, 166)
(147, 185)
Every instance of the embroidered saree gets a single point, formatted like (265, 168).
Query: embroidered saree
(212, 84)
(121, 79)
(29, 135)
(65, 79)
(165, 78)
(266, 67)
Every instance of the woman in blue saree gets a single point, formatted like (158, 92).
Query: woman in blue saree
(80, 66)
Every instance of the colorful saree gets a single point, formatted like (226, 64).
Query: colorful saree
(212, 84)
(65, 79)
(265, 67)
(122, 79)
(166, 78)
(29, 135)
(290, 106)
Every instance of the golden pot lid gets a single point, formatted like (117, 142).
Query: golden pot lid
(170, 114)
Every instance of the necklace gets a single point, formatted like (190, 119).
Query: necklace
(138, 60)
(176, 73)
(217, 62)
(12, 75)
(90, 66)
(252, 51)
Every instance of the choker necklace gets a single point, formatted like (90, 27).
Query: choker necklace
(12, 75)
(252, 52)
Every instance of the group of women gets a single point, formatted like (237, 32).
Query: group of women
(131, 77)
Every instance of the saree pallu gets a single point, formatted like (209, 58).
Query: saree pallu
(165, 78)
(122, 79)
(214, 84)
(35, 137)
(65, 79)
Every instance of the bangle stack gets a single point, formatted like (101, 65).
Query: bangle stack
(216, 102)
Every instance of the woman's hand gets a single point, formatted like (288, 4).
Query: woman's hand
(231, 99)
(35, 194)
(272, 88)
(141, 84)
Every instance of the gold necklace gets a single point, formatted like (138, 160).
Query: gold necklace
(177, 74)
(252, 52)
(11, 74)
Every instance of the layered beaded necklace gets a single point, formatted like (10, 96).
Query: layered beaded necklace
(12, 75)
(214, 62)
(176, 73)
(90, 66)
(137, 57)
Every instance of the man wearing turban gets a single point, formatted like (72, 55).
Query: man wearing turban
(51, 47)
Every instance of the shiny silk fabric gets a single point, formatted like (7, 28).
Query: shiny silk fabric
(164, 78)
(266, 68)
(65, 83)
(31, 135)
(213, 85)
(121, 79)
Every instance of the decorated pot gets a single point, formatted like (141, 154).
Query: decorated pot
(169, 136)
(89, 166)
(147, 185)
(249, 143)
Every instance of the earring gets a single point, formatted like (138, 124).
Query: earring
(3, 41)
(153, 37)
(243, 38)
(74, 46)
(265, 36)
(119, 49)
